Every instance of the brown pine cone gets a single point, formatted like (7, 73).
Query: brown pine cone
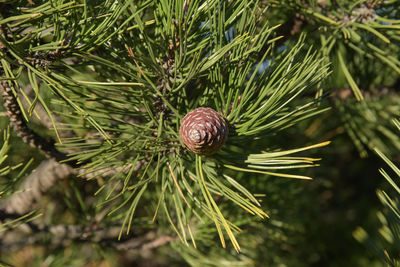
(203, 131)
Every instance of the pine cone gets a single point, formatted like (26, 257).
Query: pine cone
(203, 131)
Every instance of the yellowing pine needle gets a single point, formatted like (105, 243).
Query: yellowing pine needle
(291, 151)
(222, 218)
(177, 186)
(285, 175)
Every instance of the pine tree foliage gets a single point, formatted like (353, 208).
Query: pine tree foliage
(359, 37)
(137, 109)
(112, 80)
(369, 124)
(388, 244)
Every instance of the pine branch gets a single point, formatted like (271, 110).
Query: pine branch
(30, 137)
(62, 235)
(35, 185)
(45, 177)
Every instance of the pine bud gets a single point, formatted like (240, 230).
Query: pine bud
(203, 131)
